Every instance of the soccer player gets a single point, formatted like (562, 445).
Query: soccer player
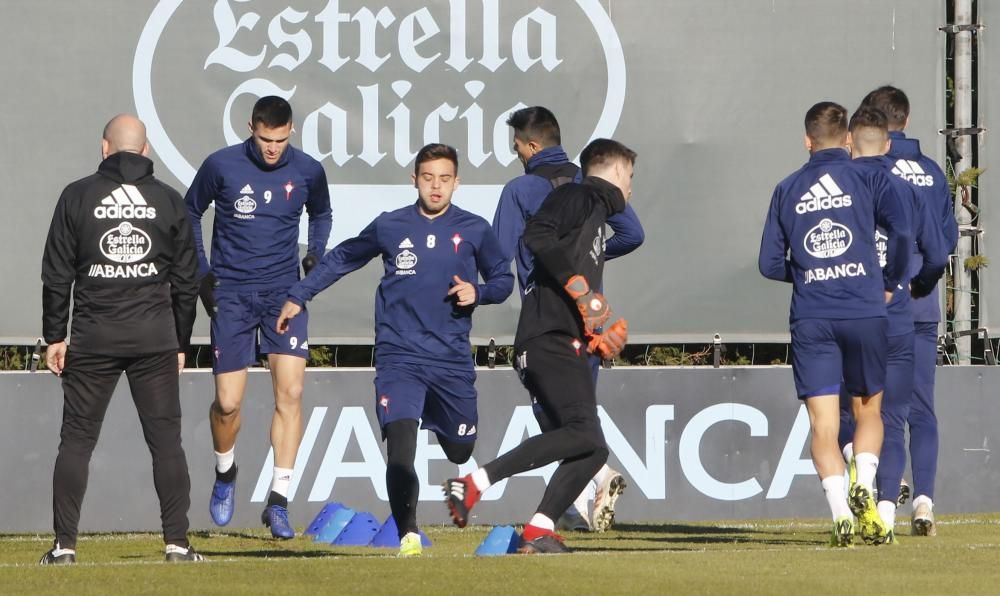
(259, 188)
(869, 143)
(120, 245)
(560, 323)
(931, 185)
(819, 235)
(433, 253)
(537, 142)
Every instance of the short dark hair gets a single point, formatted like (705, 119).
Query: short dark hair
(435, 151)
(536, 124)
(602, 151)
(826, 122)
(868, 117)
(271, 111)
(893, 103)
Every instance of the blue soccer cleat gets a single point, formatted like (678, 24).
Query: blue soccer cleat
(223, 501)
(276, 517)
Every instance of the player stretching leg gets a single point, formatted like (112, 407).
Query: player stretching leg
(558, 327)
(820, 237)
(259, 188)
(537, 142)
(433, 253)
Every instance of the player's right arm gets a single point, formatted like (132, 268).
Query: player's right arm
(200, 195)
(893, 216)
(933, 247)
(508, 221)
(58, 274)
(772, 261)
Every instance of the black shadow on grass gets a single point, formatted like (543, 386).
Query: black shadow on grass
(280, 554)
(682, 529)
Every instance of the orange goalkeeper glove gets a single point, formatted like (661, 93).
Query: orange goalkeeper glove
(610, 343)
(594, 309)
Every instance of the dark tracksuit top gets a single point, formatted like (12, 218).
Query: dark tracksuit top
(931, 186)
(566, 236)
(415, 320)
(257, 212)
(820, 236)
(121, 243)
(523, 196)
(929, 257)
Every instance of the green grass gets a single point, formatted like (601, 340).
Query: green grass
(745, 558)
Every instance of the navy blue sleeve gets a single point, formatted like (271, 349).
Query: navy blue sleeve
(894, 218)
(949, 227)
(494, 267)
(199, 196)
(933, 247)
(350, 255)
(773, 260)
(629, 234)
(508, 221)
(320, 213)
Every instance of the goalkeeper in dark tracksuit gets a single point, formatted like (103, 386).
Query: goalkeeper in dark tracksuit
(555, 334)
(121, 244)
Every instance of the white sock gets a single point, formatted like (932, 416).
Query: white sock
(173, 548)
(581, 502)
(540, 521)
(224, 461)
(867, 465)
(887, 511)
(848, 452)
(281, 480)
(833, 488)
(59, 551)
(923, 499)
(481, 479)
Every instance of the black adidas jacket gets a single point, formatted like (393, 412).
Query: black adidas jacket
(567, 238)
(121, 240)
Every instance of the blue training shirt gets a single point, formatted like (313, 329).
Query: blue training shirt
(257, 211)
(415, 320)
(928, 249)
(522, 197)
(820, 236)
(931, 186)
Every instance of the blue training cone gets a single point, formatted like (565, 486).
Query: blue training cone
(502, 540)
(337, 522)
(359, 531)
(323, 517)
(388, 535)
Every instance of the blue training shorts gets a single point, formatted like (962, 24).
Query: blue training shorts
(443, 399)
(242, 317)
(828, 352)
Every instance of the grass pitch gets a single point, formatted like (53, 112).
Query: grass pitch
(745, 558)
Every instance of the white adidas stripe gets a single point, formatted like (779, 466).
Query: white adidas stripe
(830, 185)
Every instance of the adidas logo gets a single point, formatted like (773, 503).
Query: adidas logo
(124, 202)
(247, 190)
(912, 173)
(825, 194)
(406, 243)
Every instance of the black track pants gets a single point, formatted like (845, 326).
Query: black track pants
(88, 382)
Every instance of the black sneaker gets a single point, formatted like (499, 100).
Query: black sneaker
(58, 556)
(179, 554)
(547, 544)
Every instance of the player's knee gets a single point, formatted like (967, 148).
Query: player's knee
(457, 453)
(225, 407)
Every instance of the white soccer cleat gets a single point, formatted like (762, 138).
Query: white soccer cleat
(922, 522)
(605, 498)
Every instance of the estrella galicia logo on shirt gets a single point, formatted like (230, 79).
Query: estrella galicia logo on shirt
(405, 262)
(245, 205)
(125, 244)
(828, 239)
(825, 194)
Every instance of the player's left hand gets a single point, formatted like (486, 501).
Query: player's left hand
(308, 262)
(55, 357)
(289, 311)
(611, 342)
(463, 291)
(180, 362)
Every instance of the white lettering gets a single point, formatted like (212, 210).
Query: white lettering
(408, 39)
(690, 450)
(300, 39)
(835, 272)
(651, 478)
(368, 22)
(331, 18)
(520, 44)
(123, 271)
(352, 422)
(227, 27)
(791, 464)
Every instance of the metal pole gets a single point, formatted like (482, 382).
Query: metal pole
(963, 119)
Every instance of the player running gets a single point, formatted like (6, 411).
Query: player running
(433, 253)
(559, 326)
(869, 143)
(259, 188)
(819, 235)
(537, 142)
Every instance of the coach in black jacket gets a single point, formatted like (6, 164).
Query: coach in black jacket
(121, 242)
(561, 322)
